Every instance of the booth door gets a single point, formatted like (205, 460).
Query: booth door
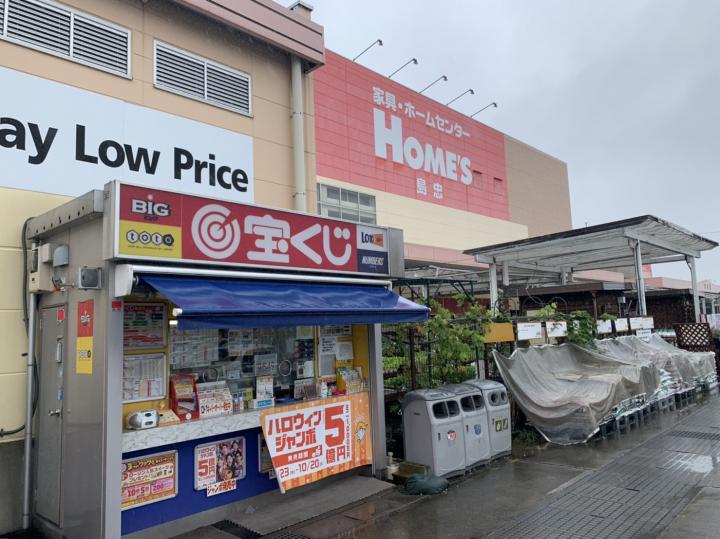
(49, 412)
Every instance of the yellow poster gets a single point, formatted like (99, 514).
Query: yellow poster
(150, 239)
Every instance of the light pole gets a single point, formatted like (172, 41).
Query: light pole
(493, 104)
(411, 61)
(442, 77)
(469, 90)
(376, 42)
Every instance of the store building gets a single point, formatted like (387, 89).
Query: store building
(213, 99)
(389, 155)
(192, 96)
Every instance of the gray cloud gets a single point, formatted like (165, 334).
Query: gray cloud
(625, 92)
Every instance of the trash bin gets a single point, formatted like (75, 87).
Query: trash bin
(498, 414)
(433, 431)
(475, 423)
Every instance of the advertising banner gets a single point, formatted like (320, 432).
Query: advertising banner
(219, 465)
(171, 226)
(149, 479)
(84, 342)
(314, 440)
(93, 138)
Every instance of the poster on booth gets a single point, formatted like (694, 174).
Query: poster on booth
(220, 465)
(314, 440)
(84, 342)
(148, 479)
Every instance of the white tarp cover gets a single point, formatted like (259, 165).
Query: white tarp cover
(693, 367)
(567, 390)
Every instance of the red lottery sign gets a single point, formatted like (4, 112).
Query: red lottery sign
(158, 224)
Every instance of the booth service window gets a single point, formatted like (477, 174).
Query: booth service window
(68, 33)
(192, 76)
(203, 373)
(342, 203)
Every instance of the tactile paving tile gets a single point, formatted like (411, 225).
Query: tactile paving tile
(638, 494)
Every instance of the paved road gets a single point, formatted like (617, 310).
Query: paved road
(640, 493)
(662, 479)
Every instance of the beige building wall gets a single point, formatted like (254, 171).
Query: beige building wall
(16, 205)
(270, 128)
(538, 190)
(433, 225)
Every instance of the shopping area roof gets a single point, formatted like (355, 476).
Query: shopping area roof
(604, 246)
(618, 245)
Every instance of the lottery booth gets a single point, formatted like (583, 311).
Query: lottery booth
(201, 360)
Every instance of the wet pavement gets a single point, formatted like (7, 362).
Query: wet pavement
(629, 484)
(658, 480)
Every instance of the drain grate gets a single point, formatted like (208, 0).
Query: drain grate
(289, 535)
(231, 528)
(696, 435)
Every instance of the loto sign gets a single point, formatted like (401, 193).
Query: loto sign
(157, 224)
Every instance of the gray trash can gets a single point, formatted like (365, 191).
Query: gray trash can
(475, 423)
(498, 414)
(433, 431)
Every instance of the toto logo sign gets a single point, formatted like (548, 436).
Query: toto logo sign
(214, 233)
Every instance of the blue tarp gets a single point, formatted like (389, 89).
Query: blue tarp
(241, 303)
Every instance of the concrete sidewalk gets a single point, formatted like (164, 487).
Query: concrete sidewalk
(634, 484)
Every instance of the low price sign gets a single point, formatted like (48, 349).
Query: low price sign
(314, 440)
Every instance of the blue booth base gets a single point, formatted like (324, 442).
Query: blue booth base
(190, 501)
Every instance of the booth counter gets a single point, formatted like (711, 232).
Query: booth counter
(194, 353)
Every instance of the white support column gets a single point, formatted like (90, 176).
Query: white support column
(298, 133)
(506, 274)
(693, 277)
(493, 288)
(639, 278)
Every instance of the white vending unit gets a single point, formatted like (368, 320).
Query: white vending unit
(433, 431)
(475, 423)
(498, 413)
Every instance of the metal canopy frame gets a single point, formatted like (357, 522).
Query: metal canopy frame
(617, 245)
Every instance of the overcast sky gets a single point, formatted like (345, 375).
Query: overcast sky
(625, 92)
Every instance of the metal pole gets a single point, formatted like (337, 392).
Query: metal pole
(411, 344)
(639, 279)
(377, 399)
(693, 277)
(493, 289)
(298, 133)
(27, 464)
(506, 274)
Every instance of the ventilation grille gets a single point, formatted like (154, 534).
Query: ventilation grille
(196, 77)
(99, 44)
(179, 72)
(40, 24)
(67, 33)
